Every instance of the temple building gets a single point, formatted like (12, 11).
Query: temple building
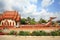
(10, 18)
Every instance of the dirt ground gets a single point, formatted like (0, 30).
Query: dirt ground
(11, 37)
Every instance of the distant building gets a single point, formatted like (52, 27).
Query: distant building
(10, 18)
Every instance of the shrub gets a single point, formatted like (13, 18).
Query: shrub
(58, 32)
(24, 33)
(35, 33)
(0, 31)
(39, 33)
(12, 33)
(43, 33)
(53, 33)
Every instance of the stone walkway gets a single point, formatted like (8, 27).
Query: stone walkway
(11, 37)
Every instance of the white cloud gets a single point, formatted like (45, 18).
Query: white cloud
(8, 4)
(46, 3)
(46, 15)
(24, 5)
(30, 8)
(26, 9)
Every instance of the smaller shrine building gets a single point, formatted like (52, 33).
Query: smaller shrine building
(10, 18)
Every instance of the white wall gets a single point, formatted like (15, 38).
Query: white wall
(9, 20)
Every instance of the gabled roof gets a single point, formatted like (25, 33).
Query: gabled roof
(10, 15)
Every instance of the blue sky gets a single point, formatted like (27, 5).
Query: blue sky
(33, 8)
(55, 7)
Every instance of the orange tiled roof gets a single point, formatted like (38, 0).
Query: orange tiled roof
(10, 15)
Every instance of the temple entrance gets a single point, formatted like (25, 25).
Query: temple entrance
(5, 24)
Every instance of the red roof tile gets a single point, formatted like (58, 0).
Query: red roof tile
(11, 15)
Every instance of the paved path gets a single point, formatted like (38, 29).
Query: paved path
(11, 37)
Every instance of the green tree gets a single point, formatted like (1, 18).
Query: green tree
(28, 19)
(23, 21)
(42, 21)
(33, 21)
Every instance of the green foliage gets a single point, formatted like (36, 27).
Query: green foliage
(12, 32)
(43, 33)
(28, 18)
(39, 33)
(24, 33)
(23, 21)
(55, 33)
(42, 21)
(0, 30)
(58, 32)
(32, 22)
(35, 33)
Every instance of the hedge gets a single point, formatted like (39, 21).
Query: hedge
(12, 32)
(34, 33)
(24, 33)
(39, 33)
